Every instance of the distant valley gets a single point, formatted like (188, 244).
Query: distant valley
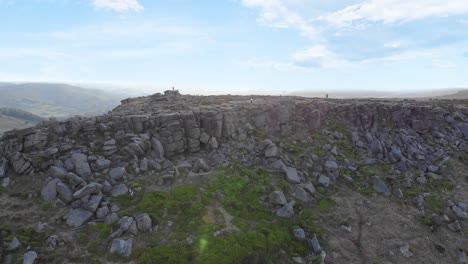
(11, 118)
(57, 100)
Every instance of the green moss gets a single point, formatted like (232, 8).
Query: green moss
(103, 229)
(424, 220)
(82, 238)
(434, 204)
(261, 134)
(47, 205)
(326, 204)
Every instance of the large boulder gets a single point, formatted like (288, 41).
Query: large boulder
(291, 175)
(64, 192)
(49, 191)
(82, 168)
(92, 188)
(78, 217)
(277, 198)
(122, 247)
(143, 222)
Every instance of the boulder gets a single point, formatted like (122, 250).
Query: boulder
(143, 222)
(314, 243)
(331, 165)
(91, 188)
(324, 180)
(82, 169)
(299, 233)
(49, 191)
(119, 190)
(157, 148)
(21, 164)
(78, 217)
(103, 164)
(93, 203)
(291, 175)
(29, 257)
(3, 167)
(102, 212)
(277, 198)
(200, 166)
(381, 187)
(117, 173)
(122, 247)
(287, 211)
(64, 192)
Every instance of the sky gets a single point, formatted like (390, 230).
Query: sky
(237, 46)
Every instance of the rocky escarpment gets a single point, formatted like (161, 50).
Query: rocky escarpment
(399, 149)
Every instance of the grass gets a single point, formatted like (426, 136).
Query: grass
(103, 229)
(434, 204)
(326, 204)
(424, 220)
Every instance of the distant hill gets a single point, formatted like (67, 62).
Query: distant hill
(11, 118)
(463, 94)
(59, 100)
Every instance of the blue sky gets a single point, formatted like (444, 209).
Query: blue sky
(238, 46)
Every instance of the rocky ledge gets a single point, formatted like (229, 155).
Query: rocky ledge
(124, 175)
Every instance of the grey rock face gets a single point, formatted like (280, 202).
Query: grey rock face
(291, 175)
(92, 188)
(3, 167)
(381, 187)
(82, 169)
(157, 148)
(78, 217)
(117, 173)
(464, 130)
(143, 222)
(21, 164)
(287, 211)
(122, 247)
(29, 257)
(277, 198)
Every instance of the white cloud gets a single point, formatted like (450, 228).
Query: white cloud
(118, 5)
(275, 13)
(319, 56)
(396, 11)
(392, 45)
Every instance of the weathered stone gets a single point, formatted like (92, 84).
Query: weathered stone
(291, 175)
(119, 190)
(14, 244)
(200, 166)
(103, 164)
(3, 167)
(143, 222)
(277, 198)
(21, 164)
(157, 148)
(93, 203)
(213, 143)
(117, 173)
(204, 138)
(381, 187)
(92, 188)
(144, 165)
(29, 257)
(314, 243)
(122, 247)
(64, 192)
(78, 217)
(324, 180)
(102, 212)
(331, 165)
(299, 233)
(454, 226)
(49, 191)
(459, 212)
(82, 169)
(287, 211)
(405, 251)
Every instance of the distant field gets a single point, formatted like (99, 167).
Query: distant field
(8, 123)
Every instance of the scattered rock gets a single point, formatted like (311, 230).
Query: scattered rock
(314, 243)
(29, 257)
(92, 188)
(49, 192)
(119, 190)
(277, 198)
(299, 233)
(117, 173)
(381, 187)
(122, 247)
(405, 251)
(291, 175)
(287, 211)
(82, 169)
(78, 217)
(143, 222)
